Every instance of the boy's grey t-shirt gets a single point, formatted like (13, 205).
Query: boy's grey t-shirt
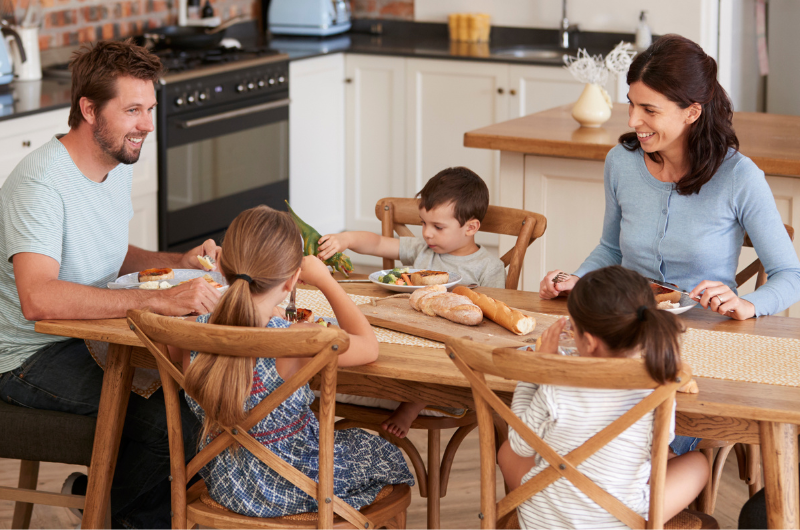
(47, 206)
(479, 267)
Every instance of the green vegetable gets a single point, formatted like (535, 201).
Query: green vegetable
(340, 262)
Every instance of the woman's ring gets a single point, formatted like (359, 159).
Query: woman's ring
(721, 301)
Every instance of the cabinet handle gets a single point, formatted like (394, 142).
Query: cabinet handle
(512, 92)
(26, 143)
(500, 91)
(348, 80)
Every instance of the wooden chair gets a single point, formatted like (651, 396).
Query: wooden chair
(193, 506)
(32, 442)
(475, 360)
(748, 455)
(395, 214)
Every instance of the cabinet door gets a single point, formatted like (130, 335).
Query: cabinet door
(374, 138)
(20, 136)
(786, 191)
(445, 100)
(537, 88)
(143, 228)
(316, 141)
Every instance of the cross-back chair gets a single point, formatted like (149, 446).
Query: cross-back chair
(396, 213)
(475, 360)
(323, 345)
(748, 456)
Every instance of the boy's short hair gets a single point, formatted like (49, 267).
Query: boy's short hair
(95, 70)
(461, 186)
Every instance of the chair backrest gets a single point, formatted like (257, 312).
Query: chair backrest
(395, 213)
(475, 360)
(324, 345)
(756, 267)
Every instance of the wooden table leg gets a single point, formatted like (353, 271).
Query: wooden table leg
(110, 418)
(434, 486)
(779, 454)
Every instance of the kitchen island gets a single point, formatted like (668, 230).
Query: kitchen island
(550, 165)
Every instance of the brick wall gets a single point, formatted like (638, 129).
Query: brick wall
(72, 22)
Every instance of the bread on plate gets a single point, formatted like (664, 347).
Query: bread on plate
(429, 278)
(151, 275)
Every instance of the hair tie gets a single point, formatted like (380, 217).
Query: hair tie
(244, 277)
(640, 313)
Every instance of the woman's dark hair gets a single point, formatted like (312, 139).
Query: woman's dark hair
(617, 306)
(680, 70)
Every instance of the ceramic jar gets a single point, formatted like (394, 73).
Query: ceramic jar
(593, 108)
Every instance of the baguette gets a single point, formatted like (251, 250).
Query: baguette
(496, 311)
(438, 302)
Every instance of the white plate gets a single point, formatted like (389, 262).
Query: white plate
(181, 275)
(452, 281)
(686, 304)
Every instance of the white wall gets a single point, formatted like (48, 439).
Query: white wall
(784, 59)
(738, 57)
(694, 19)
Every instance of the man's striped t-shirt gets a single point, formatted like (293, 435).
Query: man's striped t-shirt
(48, 207)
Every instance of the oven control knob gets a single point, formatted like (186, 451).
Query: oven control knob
(240, 88)
(179, 101)
(202, 96)
(251, 86)
(281, 80)
(191, 98)
(271, 81)
(261, 83)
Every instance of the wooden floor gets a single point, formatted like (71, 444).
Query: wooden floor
(459, 508)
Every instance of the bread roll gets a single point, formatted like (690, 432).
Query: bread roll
(496, 311)
(417, 295)
(151, 275)
(429, 277)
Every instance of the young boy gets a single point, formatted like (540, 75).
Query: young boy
(451, 207)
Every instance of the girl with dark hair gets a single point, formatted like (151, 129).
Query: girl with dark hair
(613, 314)
(679, 195)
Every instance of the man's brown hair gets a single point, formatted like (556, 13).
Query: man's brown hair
(95, 70)
(461, 186)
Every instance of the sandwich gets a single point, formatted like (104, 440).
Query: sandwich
(429, 278)
(152, 275)
(664, 294)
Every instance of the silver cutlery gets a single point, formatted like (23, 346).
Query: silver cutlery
(669, 286)
(291, 309)
(560, 277)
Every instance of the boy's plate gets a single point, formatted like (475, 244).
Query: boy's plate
(453, 280)
(128, 281)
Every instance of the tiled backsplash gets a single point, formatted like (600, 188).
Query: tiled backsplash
(71, 22)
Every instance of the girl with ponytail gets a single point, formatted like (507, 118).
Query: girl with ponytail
(262, 259)
(613, 314)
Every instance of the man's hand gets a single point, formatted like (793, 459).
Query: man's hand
(196, 297)
(208, 248)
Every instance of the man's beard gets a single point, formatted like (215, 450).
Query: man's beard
(105, 140)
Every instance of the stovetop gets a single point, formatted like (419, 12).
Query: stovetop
(184, 60)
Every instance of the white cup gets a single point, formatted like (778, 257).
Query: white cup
(31, 69)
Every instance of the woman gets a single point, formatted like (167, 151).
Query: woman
(679, 195)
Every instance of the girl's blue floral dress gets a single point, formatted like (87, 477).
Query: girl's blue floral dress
(363, 463)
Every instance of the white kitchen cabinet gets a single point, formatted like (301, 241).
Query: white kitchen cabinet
(374, 138)
(316, 141)
(143, 227)
(20, 136)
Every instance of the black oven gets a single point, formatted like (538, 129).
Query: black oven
(223, 142)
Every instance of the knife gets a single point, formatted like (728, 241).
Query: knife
(354, 281)
(670, 286)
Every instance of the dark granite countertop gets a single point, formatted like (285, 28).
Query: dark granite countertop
(372, 37)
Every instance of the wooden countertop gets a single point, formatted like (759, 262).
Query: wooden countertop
(772, 141)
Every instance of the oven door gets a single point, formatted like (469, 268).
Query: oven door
(218, 162)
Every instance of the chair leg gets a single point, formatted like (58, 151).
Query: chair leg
(450, 454)
(434, 487)
(705, 501)
(753, 479)
(28, 477)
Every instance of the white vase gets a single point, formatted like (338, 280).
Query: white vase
(593, 108)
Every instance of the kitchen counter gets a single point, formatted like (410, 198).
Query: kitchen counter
(397, 38)
(772, 141)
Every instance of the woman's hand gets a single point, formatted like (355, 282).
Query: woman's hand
(314, 272)
(551, 335)
(719, 298)
(548, 289)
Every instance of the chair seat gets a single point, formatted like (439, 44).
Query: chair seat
(690, 519)
(377, 416)
(207, 512)
(46, 435)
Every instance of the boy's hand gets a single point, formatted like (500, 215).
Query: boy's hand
(330, 244)
(550, 336)
(314, 272)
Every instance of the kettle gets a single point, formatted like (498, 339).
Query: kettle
(6, 68)
(318, 18)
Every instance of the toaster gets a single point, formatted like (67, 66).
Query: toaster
(318, 18)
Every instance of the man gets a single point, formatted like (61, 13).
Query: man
(64, 214)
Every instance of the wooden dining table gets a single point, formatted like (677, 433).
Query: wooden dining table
(736, 411)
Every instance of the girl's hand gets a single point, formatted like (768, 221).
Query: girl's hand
(550, 336)
(548, 289)
(314, 272)
(719, 298)
(330, 244)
